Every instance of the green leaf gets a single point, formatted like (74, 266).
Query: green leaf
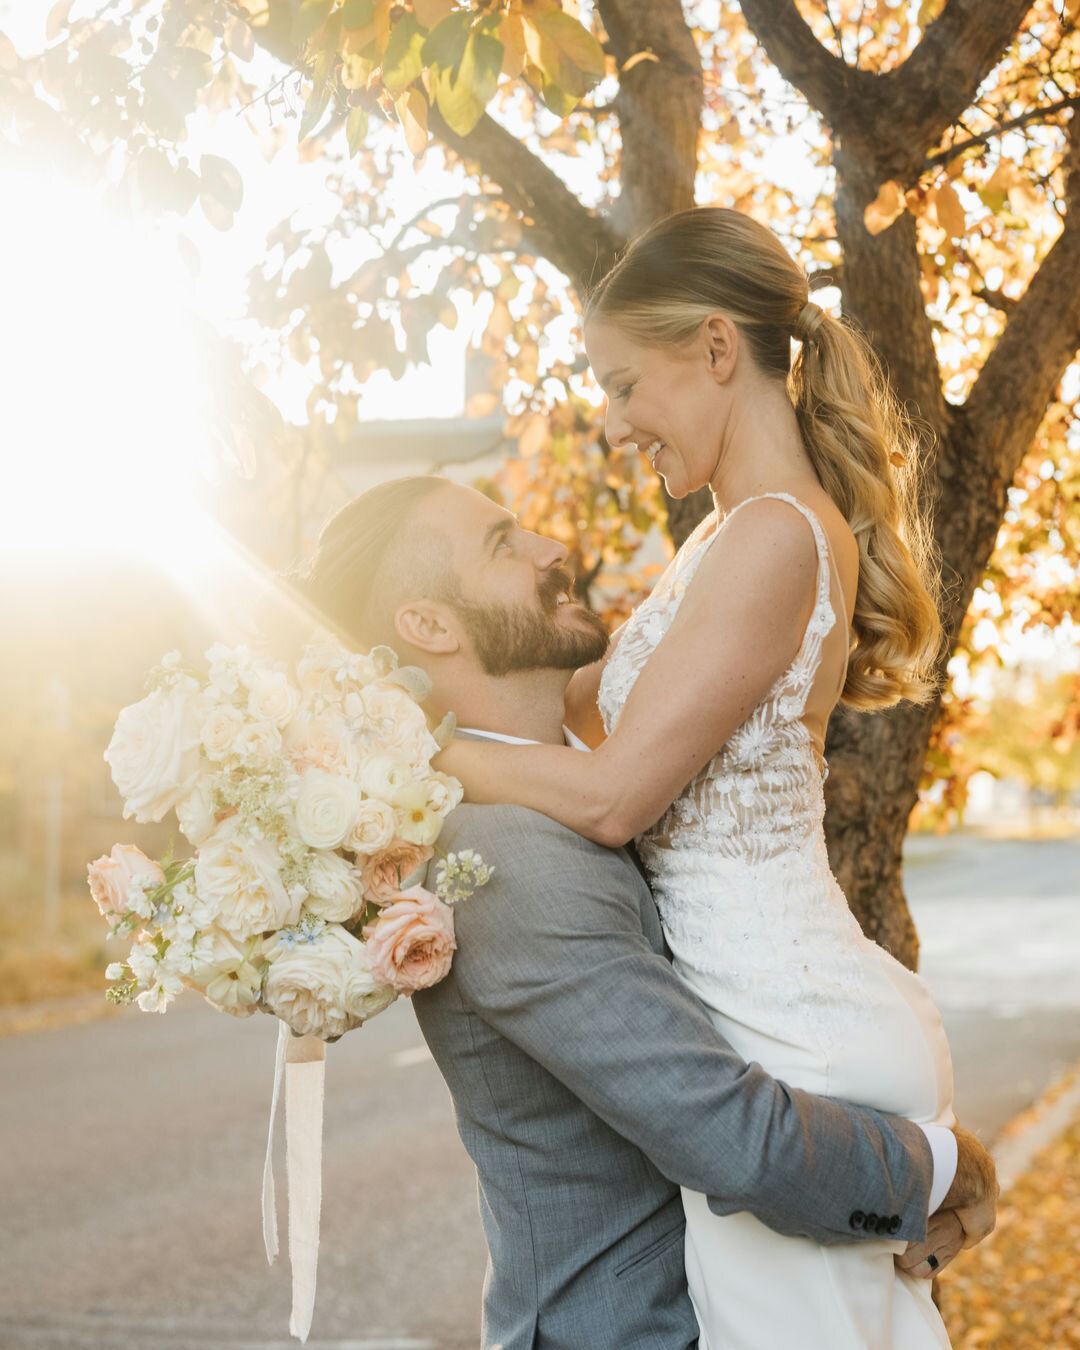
(314, 108)
(445, 44)
(356, 129)
(311, 16)
(221, 179)
(462, 95)
(403, 61)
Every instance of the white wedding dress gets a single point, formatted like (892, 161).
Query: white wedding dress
(760, 930)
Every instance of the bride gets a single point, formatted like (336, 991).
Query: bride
(808, 585)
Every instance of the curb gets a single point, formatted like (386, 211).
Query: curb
(1027, 1134)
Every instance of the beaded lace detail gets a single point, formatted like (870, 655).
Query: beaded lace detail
(738, 862)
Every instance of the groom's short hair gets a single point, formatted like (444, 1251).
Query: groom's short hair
(371, 555)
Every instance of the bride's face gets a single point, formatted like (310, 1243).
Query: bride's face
(669, 403)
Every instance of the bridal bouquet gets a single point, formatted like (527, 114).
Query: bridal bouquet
(313, 811)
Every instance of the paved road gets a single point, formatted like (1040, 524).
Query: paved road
(131, 1148)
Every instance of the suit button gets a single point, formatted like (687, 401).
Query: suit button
(894, 1224)
(883, 1225)
(857, 1218)
(871, 1223)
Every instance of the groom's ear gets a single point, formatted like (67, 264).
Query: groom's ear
(427, 625)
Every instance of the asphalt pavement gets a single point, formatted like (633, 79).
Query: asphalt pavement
(131, 1148)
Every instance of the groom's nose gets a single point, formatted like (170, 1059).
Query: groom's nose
(546, 553)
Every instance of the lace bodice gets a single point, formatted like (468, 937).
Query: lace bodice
(753, 915)
(762, 792)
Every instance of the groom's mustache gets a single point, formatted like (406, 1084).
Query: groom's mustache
(553, 584)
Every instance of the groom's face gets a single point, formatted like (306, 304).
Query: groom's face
(510, 589)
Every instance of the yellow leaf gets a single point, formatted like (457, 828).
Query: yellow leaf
(534, 437)
(432, 12)
(884, 209)
(412, 111)
(382, 24)
(950, 211)
(512, 36)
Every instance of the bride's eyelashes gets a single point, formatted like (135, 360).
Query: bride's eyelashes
(624, 392)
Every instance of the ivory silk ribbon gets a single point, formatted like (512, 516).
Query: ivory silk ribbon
(301, 1061)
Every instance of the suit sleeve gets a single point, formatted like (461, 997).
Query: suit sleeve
(552, 954)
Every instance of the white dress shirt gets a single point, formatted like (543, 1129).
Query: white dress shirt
(942, 1141)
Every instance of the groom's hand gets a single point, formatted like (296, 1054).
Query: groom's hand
(974, 1192)
(944, 1238)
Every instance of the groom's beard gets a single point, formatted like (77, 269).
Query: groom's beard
(510, 638)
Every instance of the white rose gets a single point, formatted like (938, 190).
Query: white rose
(321, 741)
(272, 698)
(325, 808)
(444, 793)
(373, 829)
(220, 729)
(196, 812)
(384, 776)
(399, 724)
(238, 877)
(154, 754)
(321, 985)
(334, 890)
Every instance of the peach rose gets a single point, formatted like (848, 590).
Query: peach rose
(320, 742)
(384, 874)
(111, 875)
(411, 944)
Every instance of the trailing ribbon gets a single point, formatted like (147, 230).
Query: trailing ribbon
(301, 1060)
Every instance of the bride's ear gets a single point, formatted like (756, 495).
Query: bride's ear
(720, 339)
(427, 626)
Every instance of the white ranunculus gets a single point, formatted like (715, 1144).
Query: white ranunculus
(384, 776)
(321, 985)
(325, 808)
(239, 878)
(333, 884)
(196, 812)
(272, 698)
(154, 754)
(373, 829)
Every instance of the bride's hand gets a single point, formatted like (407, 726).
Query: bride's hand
(944, 1238)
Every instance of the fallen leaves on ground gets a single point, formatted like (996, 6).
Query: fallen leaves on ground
(1020, 1289)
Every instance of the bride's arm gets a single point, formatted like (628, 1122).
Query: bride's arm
(737, 630)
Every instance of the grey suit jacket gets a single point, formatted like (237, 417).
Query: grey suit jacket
(589, 1084)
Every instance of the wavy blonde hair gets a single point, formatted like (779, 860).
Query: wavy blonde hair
(862, 445)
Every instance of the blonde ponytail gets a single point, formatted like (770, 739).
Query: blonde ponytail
(862, 445)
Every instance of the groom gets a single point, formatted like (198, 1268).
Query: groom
(588, 1083)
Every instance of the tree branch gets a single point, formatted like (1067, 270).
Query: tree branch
(556, 224)
(1035, 115)
(1040, 340)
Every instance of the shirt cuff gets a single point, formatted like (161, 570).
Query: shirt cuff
(942, 1143)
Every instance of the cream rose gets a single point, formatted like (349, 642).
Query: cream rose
(386, 874)
(111, 875)
(238, 878)
(271, 698)
(411, 944)
(154, 754)
(321, 984)
(257, 741)
(326, 807)
(196, 812)
(222, 726)
(373, 829)
(333, 886)
(322, 741)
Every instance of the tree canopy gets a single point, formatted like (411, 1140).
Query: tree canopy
(937, 206)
